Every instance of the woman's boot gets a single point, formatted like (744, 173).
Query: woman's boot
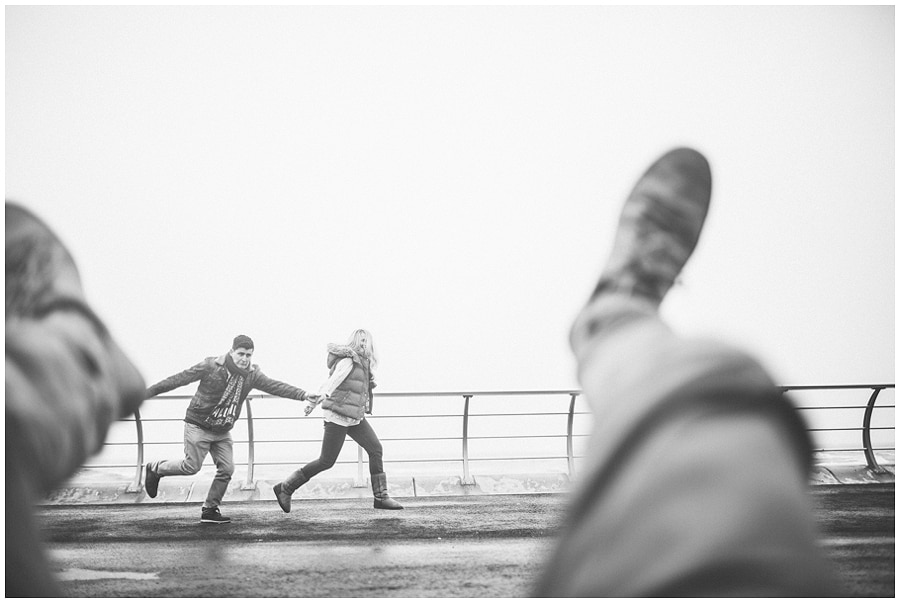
(284, 490)
(379, 489)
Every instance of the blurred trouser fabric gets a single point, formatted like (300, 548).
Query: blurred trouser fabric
(199, 442)
(696, 474)
(66, 382)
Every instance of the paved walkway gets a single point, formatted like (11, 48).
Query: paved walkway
(453, 546)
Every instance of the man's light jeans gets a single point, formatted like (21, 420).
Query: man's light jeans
(199, 442)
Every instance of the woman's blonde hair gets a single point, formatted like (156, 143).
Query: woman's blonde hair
(361, 340)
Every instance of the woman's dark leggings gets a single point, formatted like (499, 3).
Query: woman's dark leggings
(333, 441)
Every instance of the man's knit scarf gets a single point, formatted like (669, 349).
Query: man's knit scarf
(226, 412)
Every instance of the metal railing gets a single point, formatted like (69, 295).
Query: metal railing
(866, 429)
(466, 438)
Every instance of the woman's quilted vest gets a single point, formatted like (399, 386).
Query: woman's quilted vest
(352, 397)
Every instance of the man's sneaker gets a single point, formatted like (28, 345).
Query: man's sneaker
(151, 482)
(659, 227)
(213, 516)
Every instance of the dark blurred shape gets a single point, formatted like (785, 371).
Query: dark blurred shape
(66, 382)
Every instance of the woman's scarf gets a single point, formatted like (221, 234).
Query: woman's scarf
(225, 413)
(346, 351)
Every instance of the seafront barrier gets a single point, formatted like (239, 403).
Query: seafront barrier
(446, 443)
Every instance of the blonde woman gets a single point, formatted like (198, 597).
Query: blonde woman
(346, 398)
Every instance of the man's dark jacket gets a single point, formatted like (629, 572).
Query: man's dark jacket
(213, 377)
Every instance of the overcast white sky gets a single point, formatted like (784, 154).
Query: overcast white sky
(450, 178)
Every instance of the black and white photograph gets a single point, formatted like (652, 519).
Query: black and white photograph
(466, 301)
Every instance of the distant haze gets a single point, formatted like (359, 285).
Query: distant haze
(450, 177)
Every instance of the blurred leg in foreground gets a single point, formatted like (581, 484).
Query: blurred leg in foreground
(66, 382)
(697, 471)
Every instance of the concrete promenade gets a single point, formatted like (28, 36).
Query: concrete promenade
(439, 546)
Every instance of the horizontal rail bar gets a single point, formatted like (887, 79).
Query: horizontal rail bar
(444, 459)
(547, 392)
(827, 387)
(453, 416)
(839, 407)
(424, 394)
(848, 428)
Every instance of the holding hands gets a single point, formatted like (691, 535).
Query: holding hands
(311, 402)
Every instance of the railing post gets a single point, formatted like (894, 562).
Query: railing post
(249, 484)
(137, 485)
(360, 473)
(871, 462)
(570, 449)
(467, 478)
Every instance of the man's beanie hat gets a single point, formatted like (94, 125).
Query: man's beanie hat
(242, 341)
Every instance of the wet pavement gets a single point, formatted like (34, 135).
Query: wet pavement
(453, 546)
